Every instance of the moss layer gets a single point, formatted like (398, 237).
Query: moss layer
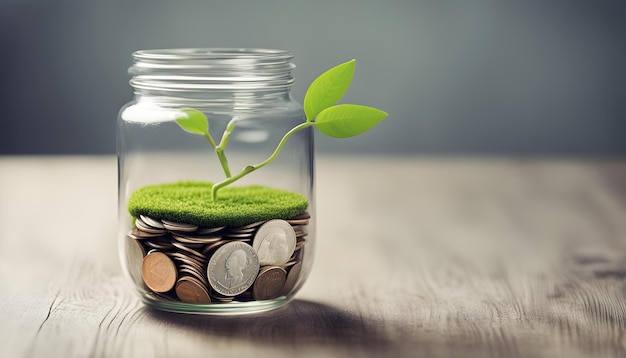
(190, 202)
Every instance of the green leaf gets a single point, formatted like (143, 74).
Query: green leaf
(348, 120)
(328, 88)
(195, 122)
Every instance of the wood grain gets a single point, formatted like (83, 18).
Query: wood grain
(416, 257)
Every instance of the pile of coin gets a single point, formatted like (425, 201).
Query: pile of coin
(195, 264)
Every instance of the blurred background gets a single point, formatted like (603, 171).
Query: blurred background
(456, 77)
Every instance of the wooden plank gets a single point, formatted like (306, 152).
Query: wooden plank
(415, 257)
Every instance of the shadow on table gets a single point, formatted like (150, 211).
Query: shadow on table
(299, 322)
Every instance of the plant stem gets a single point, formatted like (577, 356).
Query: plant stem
(220, 154)
(219, 150)
(250, 168)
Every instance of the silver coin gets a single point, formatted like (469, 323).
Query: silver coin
(275, 242)
(252, 226)
(141, 225)
(196, 239)
(209, 230)
(189, 250)
(157, 224)
(134, 257)
(233, 268)
(240, 231)
(304, 215)
(158, 245)
(175, 226)
(239, 236)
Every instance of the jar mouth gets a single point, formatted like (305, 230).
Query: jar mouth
(212, 54)
(205, 69)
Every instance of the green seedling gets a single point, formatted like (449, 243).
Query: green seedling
(320, 108)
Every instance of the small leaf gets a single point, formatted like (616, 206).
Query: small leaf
(348, 120)
(327, 89)
(195, 122)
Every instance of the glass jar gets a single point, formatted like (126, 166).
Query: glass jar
(251, 247)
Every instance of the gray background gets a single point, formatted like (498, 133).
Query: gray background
(457, 77)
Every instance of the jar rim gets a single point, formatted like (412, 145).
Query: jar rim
(217, 53)
(211, 69)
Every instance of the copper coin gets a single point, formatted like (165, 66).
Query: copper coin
(298, 221)
(292, 278)
(145, 235)
(269, 284)
(158, 272)
(190, 290)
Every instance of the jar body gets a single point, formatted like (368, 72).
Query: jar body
(173, 264)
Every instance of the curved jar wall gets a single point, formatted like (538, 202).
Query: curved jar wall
(191, 266)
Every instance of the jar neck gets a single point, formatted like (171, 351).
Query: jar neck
(212, 79)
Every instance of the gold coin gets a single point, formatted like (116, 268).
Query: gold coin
(191, 290)
(158, 272)
(269, 284)
(292, 278)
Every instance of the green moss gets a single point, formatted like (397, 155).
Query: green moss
(190, 202)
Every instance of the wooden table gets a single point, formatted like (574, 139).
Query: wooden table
(419, 257)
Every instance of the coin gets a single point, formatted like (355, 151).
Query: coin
(144, 234)
(239, 230)
(304, 215)
(158, 272)
(175, 226)
(134, 257)
(269, 284)
(233, 268)
(292, 278)
(298, 221)
(196, 239)
(238, 235)
(152, 222)
(141, 225)
(209, 230)
(190, 271)
(159, 244)
(213, 246)
(191, 290)
(253, 225)
(274, 242)
(189, 251)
